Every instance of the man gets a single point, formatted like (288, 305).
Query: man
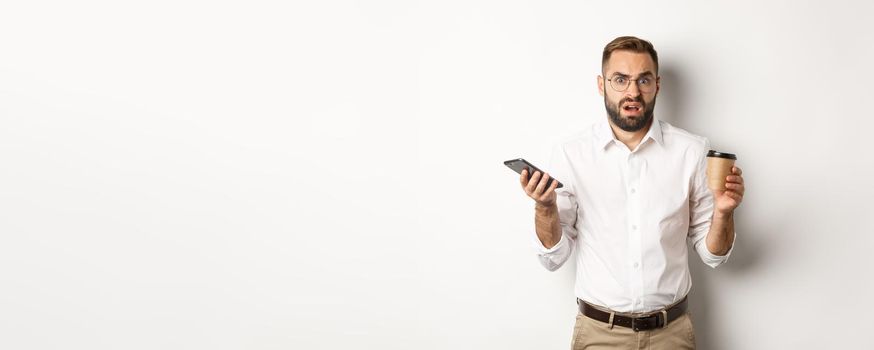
(635, 190)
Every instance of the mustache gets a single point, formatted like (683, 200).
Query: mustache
(629, 100)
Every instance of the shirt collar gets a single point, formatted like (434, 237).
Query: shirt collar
(606, 136)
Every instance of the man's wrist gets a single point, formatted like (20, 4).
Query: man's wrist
(719, 215)
(542, 208)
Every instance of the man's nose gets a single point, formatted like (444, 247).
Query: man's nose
(632, 90)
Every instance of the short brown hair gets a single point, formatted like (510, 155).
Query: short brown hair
(630, 43)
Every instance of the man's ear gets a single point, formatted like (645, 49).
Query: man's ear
(601, 85)
(658, 84)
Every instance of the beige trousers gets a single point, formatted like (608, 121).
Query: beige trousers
(591, 334)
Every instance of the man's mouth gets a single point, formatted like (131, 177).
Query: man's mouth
(632, 107)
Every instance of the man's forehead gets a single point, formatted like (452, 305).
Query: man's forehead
(629, 63)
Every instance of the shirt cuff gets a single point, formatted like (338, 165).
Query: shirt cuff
(715, 260)
(544, 251)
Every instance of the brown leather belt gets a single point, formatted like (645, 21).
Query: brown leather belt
(644, 323)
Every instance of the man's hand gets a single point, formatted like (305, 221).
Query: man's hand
(728, 199)
(546, 221)
(536, 188)
(721, 234)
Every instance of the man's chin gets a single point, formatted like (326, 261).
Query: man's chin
(632, 119)
(635, 115)
(633, 123)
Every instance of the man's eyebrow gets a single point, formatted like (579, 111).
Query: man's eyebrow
(644, 74)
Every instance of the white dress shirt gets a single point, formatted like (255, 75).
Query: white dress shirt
(628, 215)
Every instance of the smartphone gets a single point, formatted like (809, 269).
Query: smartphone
(520, 164)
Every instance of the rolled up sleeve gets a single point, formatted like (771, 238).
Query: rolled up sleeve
(553, 258)
(701, 214)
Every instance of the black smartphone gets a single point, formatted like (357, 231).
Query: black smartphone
(520, 164)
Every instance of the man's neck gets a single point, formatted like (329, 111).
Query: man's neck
(630, 138)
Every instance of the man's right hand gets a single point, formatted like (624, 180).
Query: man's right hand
(536, 188)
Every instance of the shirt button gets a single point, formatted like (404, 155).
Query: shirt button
(634, 227)
(633, 191)
(639, 301)
(636, 265)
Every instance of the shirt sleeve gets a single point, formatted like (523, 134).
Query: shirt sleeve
(553, 258)
(701, 213)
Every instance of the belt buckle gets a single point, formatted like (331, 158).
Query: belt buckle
(645, 323)
(635, 325)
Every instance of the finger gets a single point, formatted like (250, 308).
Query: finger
(734, 185)
(735, 179)
(550, 192)
(523, 177)
(736, 171)
(734, 195)
(542, 184)
(552, 186)
(739, 188)
(532, 182)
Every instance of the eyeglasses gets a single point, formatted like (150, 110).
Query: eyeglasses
(644, 84)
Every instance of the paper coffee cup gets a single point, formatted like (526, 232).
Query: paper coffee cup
(719, 166)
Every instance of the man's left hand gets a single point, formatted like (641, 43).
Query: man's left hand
(726, 200)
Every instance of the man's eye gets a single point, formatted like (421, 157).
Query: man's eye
(620, 80)
(644, 81)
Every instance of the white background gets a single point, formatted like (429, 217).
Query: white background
(327, 175)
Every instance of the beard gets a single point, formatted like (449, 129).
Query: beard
(628, 124)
